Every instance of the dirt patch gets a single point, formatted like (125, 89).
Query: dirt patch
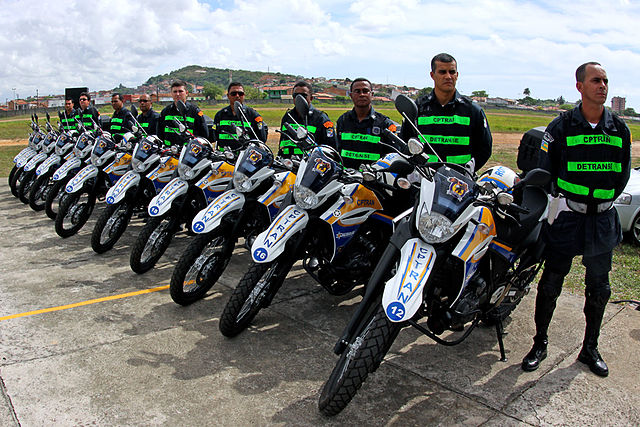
(13, 142)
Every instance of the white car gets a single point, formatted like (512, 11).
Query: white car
(628, 207)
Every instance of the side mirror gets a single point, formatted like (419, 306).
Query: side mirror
(48, 117)
(538, 177)
(407, 107)
(36, 116)
(302, 106)
(134, 111)
(238, 107)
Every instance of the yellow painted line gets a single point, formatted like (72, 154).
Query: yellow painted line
(89, 302)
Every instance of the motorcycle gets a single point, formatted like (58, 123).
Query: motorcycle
(337, 226)
(201, 178)
(467, 252)
(36, 137)
(260, 184)
(27, 178)
(44, 173)
(81, 157)
(109, 161)
(152, 168)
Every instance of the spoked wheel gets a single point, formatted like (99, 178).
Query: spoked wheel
(254, 291)
(15, 180)
(200, 266)
(74, 213)
(152, 242)
(39, 191)
(110, 226)
(55, 195)
(357, 361)
(26, 184)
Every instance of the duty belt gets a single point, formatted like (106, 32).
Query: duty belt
(589, 208)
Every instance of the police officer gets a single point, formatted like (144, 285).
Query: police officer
(193, 119)
(89, 115)
(227, 117)
(121, 120)
(452, 124)
(67, 117)
(588, 152)
(361, 135)
(147, 118)
(318, 125)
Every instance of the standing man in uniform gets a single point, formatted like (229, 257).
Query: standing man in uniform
(89, 116)
(228, 116)
(318, 125)
(67, 117)
(147, 118)
(588, 152)
(193, 119)
(121, 119)
(452, 124)
(361, 130)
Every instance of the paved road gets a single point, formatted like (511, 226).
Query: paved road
(142, 360)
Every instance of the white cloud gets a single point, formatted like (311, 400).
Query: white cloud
(502, 46)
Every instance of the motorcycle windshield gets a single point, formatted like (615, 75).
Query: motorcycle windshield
(454, 192)
(103, 144)
(63, 139)
(82, 142)
(144, 149)
(195, 152)
(323, 165)
(255, 157)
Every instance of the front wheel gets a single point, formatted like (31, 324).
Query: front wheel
(200, 266)
(357, 361)
(12, 174)
(55, 196)
(634, 232)
(152, 242)
(27, 182)
(254, 291)
(110, 226)
(39, 191)
(15, 179)
(75, 210)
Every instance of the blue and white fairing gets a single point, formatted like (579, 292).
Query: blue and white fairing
(77, 182)
(27, 152)
(120, 188)
(67, 166)
(211, 216)
(271, 243)
(35, 161)
(162, 202)
(44, 166)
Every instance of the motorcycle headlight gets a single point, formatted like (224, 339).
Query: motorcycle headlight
(186, 172)
(305, 198)
(435, 227)
(138, 166)
(241, 182)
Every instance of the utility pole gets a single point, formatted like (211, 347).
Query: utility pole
(15, 99)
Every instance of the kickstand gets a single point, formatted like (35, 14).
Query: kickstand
(500, 333)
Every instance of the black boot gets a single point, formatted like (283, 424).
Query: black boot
(537, 354)
(594, 306)
(548, 292)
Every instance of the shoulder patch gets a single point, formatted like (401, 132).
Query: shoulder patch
(392, 128)
(546, 140)
(200, 113)
(328, 124)
(259, 119)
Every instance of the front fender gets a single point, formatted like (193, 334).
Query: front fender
(119, 190)
(161, 203)
(34, 161)
(63, 170)
(271, 243)
(211, 216)
(46, 165)
(24, 153)
(402, 295)
(77, 182)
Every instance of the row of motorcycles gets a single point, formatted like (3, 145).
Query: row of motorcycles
(431, 245)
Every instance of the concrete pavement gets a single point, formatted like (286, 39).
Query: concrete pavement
(143, 360)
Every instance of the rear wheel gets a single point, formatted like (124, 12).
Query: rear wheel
(200, 266)
(55, 195)
(357, 361)
(152, 242)
(110, 226)
(75, 210)
(254, 291)
(39, 191)
(27, 182)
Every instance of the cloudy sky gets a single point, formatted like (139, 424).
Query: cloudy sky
(502, 46)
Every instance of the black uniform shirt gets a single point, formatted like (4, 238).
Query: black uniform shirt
(319, 126)
(194, 121)
(224, 119)
(149, 121)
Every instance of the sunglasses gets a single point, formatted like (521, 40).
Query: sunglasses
(83, 99)
(365, 91)
(143, 100)
(236, 93)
